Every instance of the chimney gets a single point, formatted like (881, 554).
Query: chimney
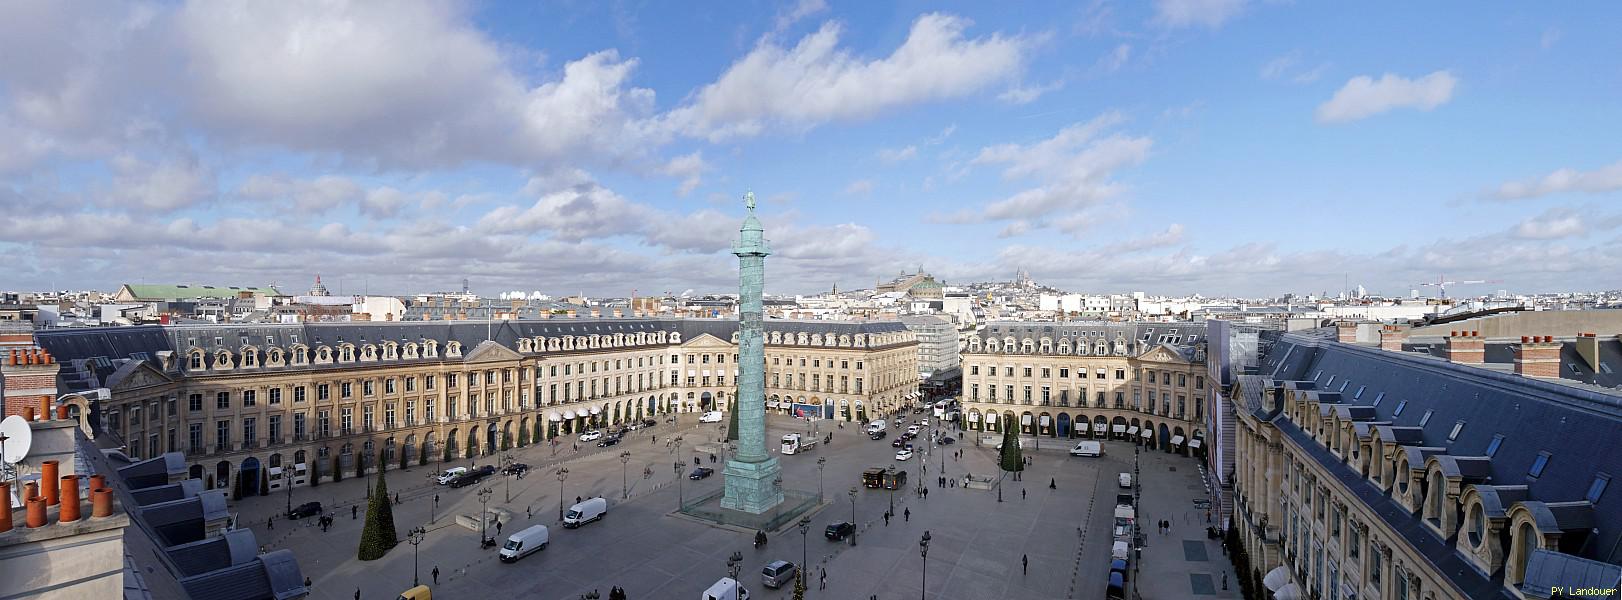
(1588, 348)
(1466, 347)
(101, 502)
(596, 312)
(5, 499)
(70, 499)
(1538, 356)
(1391, 338)
(47, 480)
(1346, 332)
(618, 313)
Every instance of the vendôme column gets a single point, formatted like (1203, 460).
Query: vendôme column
(752, 483)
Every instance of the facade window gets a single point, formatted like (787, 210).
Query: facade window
(346, 390)
(194, 402)
(298, 394)
(974, 392)
(428, 380)
(411, 384)
(1597, 488)
(298, 426)
(388, 385)
(222, 436)
(222, 400)
(1064, 373)
(249, 432)
(428, 409)
(249, 398)
(346, 420)
(323, 423)
(275, 429)
(388, 416)
(367, 388)
(194, 437)
(1120, 373)
(323, 392)
(1538, 464)
(275, 395)
(1046, 395)
(450, 379)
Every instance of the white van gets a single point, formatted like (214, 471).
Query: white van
(588, 510)
(726, 589)
(1125, 480)
(451, 473)
(1088, 449)
(1119, 550)
(713, 416)
(521, 544)
(873, 426)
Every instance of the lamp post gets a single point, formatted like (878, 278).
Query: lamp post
(680, 501)
(892, 487)
(415, 536)
(625, 485)
(805, 527)
(287, 482)
(484, 499)
(734, 564)
(506, 473)
(923, 552)
(853, 516)
(821, 462)
(563, 473)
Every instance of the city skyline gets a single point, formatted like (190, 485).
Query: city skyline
(1225, 148)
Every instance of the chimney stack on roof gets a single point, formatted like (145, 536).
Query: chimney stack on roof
(1538, 356)
(1391, 338)
(1346, 332)
(1588, 348)
(1466, 347)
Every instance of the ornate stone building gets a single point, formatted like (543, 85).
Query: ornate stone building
(1471, 468)
(1142, 382)
(259, 405)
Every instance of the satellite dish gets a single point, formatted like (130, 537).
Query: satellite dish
(19, 438)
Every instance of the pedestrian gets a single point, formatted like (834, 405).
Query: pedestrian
(498, 527)
(1021, 493)
(1024, 564)
(397, 498)
(354, 510)
(1053, 484)
(357, 593)
(270, 523)
(576, 499)
(886, 519)
(926, 493)
(306, 582)
(822, 578)
(906, 515)
(1224, 581)
(436, 574)
(527, 514)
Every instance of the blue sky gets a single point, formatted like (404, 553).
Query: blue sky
(1178, 146)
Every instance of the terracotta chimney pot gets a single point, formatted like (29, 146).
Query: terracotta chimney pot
(44, 408)
(101, 502)
(36, 512)
(49, 471)
(5, 499)
(98, 481)
(70, 499)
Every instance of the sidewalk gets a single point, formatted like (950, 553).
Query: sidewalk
(1182, 563)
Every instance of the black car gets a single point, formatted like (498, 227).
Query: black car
(308, 509)
(474, 476)
(514, 469)
(947, 440)
(649, 422)
(701, 473)
(608, 441)
(878, 435)
(900, 441)
(839, 531)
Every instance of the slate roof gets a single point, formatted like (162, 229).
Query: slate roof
(1501, 354)
(1575, 427)
(235, 547)
(171, 292)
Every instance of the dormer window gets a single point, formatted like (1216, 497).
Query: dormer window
(1597, 488)
(1454, 435)
(196, 360)
(1538, 464)
(1426, 418)
(1492, 447)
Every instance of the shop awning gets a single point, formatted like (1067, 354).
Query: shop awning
(1176, 439)
(555, 417)
(1024, 419)
(1120, 428)
(1277, 578)
(1133, 430)
(1194, 443)
(595, 410)
(1082, 426)
(1046, 420)
(1146, 433)
(1289, 592)
(568, 414)
(974, 417)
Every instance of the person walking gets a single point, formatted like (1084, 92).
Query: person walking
(436, 574)
(1024, 564)
(270, 523)
(1053, 483)
(353, 511)
(357, 593)
(498, 527)
(822, 578)
(1021, 493)
(906, 515)
(527, 514)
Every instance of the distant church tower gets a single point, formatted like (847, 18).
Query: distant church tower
(318, 289)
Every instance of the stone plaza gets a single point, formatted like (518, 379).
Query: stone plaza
(641, 546)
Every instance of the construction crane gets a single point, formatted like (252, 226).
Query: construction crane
(1441, 284)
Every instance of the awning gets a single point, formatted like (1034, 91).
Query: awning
(1176, 439)
(1133, 430)
(555, 417)
(595, 410)
(1277, 578)
(1289, 592)
(1120, 428)
(568, 414)
(974, 417)
(1194, 443)
(1024, 419)
(1082, 425)
(1146, 433)
(1046, 420)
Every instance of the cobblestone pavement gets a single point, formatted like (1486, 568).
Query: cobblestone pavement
(975, 550)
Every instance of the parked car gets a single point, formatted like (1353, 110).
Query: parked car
(514, 469)
(1119, 566)
(777, 573)
(839, 530)
(877, 435)
(608, 441)
(308, 509)
(649, 422)
(904, 454)
(947, 440)
(700, 473)
(474, 476)
(713, 416)
(1087, 448)
(591, 435)
(913, 429)
(451, 474)
(1125, 479)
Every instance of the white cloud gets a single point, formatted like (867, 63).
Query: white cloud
(166, 186)
(815, 81)
(1598, 181)
(1189, 13)
(1172, 236)
(690, 168)
(1113, 61)
(1364, 96)
(1074, 170)
(860, 187)
(1555, 223)
(895, 155)
(1290, 67)
(1028, 93)
(574, 213)
(801, 10)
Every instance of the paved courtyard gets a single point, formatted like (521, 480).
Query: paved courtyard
(976, 542)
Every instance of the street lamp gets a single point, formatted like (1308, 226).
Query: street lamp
(415, 536)
(853, 516)
(625, 485)
(923, 552)
(805, 527)
(563, 473)
(484, 499)
(892, 488)
(506, 473)
(821, 461)
(680, 501)
(734, 564)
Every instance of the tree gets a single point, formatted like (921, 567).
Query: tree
(799, 584)
(523, 436)
(472, 445)
(378, 536)
(450, 451)
(315, 473)
(236, 488)
(1010, 459)
(264, 481)
(405, 459)
(423, 459)
(360, 467)
(337, 469)
(732, 425)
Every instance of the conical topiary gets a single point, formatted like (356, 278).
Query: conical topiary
(732, 425)
(1010, 459)
(378, 536)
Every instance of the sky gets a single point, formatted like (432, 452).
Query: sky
(1220, 147)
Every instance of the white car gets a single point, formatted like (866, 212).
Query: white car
(591, 435)
(713, 416)
(913, 429)
(903, 455)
